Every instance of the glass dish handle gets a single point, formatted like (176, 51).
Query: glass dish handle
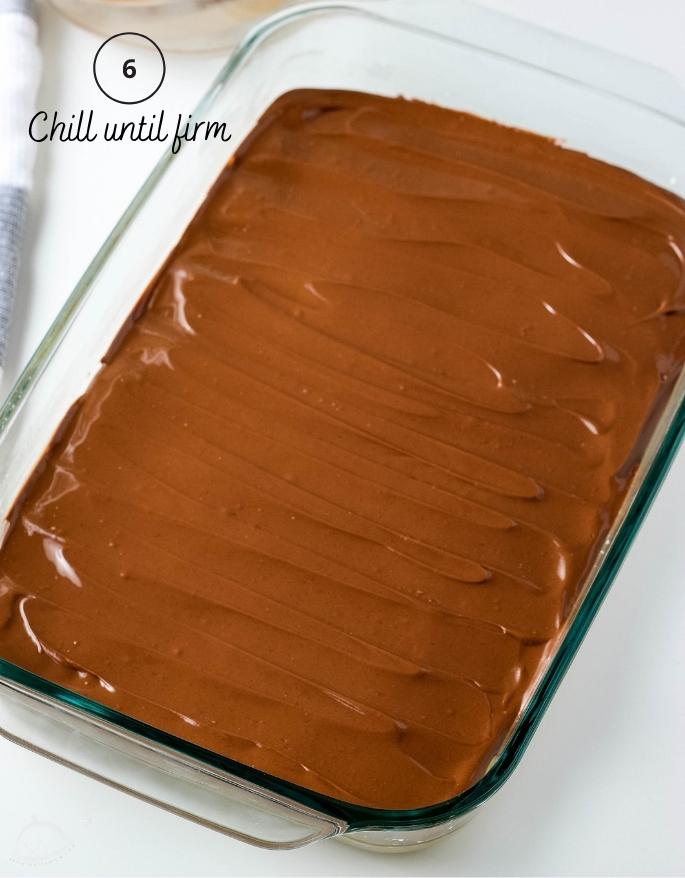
(124, 761)
(505, 34)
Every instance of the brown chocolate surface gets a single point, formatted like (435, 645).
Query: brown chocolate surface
(331, 500)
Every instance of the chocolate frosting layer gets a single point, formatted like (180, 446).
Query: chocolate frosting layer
(327, 506)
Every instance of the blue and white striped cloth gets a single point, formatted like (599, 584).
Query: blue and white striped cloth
(19, 71)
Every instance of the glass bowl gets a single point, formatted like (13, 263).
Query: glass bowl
(175, 25)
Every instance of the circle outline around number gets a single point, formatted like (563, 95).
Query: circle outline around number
(128, 33)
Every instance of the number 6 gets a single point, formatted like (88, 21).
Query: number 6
(129, 69)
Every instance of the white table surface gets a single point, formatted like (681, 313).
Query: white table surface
(601, 789)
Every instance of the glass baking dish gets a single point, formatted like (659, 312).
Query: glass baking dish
(498, 68)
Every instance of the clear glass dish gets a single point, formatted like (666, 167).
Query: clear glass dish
(498, 68)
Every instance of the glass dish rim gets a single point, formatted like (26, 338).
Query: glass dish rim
(356, 817)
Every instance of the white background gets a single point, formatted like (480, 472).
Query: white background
(601, 789)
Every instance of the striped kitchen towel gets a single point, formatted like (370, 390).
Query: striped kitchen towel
(19, 70)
